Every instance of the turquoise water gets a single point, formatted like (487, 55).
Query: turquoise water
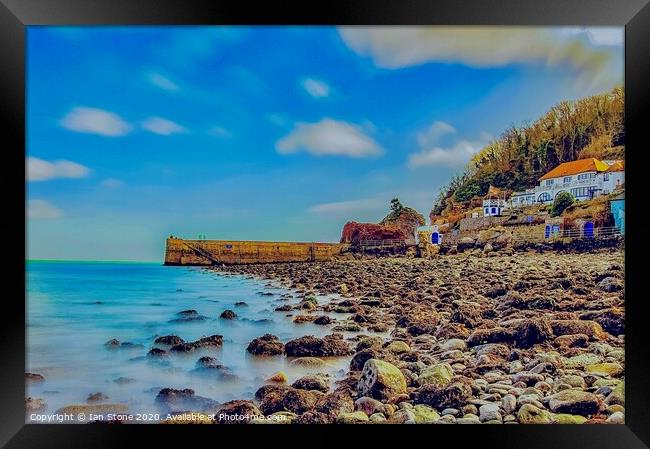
(73, 308)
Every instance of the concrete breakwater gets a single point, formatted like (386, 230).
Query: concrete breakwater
(210, 252)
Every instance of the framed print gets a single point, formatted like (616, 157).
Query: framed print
(352, 218)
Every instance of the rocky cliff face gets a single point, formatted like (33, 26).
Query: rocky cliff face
(354, 232)
(399, 224)
(405, 219)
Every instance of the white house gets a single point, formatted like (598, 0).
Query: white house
(585, 179)
(494, 207)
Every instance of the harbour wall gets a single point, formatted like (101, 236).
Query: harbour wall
(209, 252)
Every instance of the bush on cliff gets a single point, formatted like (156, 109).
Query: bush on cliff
(562, 201)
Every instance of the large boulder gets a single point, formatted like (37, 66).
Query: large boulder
(571, 327)
(312, 383)
(439, 374)
(236, 412)
(381, 380)
(490, 335)
(267, 344)
(310, 346)
(531, 332)
(574, 402)
(453, 395)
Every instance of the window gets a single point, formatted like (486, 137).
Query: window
(549, 182)
(605, 176)
(579, 191)
(544, 197)
(494, 210)
(487, 210)
(567, 179)
(583, 176)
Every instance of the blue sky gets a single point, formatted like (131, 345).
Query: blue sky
(272, 133)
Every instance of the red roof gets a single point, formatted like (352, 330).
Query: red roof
(576, 167)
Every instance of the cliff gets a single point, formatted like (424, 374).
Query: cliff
(399, 224)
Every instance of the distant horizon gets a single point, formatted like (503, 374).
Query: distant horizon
(273, 133)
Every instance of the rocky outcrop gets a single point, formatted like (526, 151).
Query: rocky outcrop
(310, 346)
(267, 344)
(354, 232)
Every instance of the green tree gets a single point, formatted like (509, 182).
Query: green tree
(562, 201)
(396, 206)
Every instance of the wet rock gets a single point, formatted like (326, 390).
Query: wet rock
(308, 362)
(439, 374)
(489, 412)
(116, 344)
(451, 330)
(617, 396)
(241, 304)
(237, 412)
(123, 380)
(319, 383)
(571, 327)
(531, 332)
(571, 341)
(335, 403)
(605, 369)
(369, 405)
(228, 315)
(34, 377)
(300, 401)
(582, 360)
(425, 414)
(96, 397)
(616, 418)
(610, 284)
(369, 343)
(34, 405)
(398, 347)
(310, 346)
(184, 399)
(467, 315)
(211, 341)
(279, 377)
(529, 414)
(207, 362)
(402, 416)
(453, 395)
(352, 418)
(267, 344)
(284, 308)
(157, 352)
(313, 418)
(170, 340)
(323, 320)
(612, 320)
(574, 402)
(492, 335)
(381, 380)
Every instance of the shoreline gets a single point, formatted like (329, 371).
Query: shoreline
(516, 338)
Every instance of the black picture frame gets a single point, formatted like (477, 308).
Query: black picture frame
(16, 15)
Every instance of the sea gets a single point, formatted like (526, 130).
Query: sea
(74, 308)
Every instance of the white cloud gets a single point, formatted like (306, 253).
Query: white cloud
(163, 82)
(329, 138)
(315, 88)
(42, 210)
(162, 126)
(219, 131)
(95, 121)
(112, 183)
(434, 132)
(596, 54)
(348, 206)
(455, 156)
(42, 170)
